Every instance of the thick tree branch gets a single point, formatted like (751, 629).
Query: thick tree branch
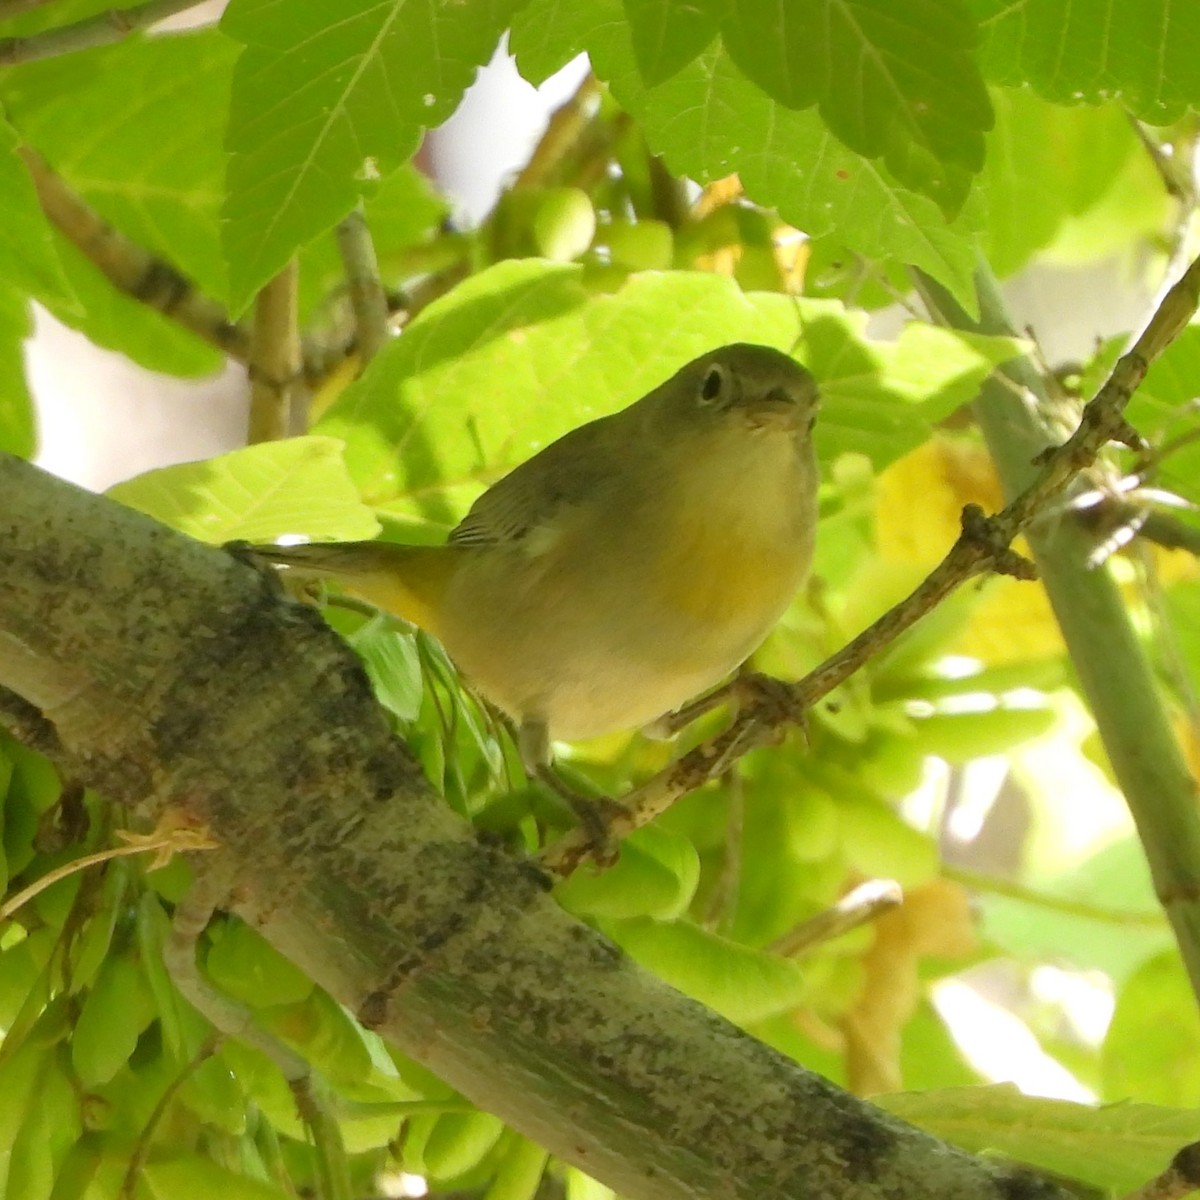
(175, 677)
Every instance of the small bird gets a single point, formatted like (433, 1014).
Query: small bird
(625, 568)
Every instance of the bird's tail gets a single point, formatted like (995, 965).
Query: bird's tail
(409, 581)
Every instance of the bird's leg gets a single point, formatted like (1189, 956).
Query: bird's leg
(595, 813)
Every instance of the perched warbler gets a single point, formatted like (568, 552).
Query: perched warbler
(625, 568)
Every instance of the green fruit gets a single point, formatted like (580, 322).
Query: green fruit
(564, 223)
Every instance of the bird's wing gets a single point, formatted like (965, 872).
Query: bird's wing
(535, 497)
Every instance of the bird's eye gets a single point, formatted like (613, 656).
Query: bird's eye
(713, 384)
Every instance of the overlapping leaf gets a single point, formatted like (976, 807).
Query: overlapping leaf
(328, 96)
(897, 81)
(1145, 54)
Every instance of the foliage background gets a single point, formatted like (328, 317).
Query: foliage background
(1029, 135)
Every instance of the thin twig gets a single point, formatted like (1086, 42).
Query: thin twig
(1010, 889)
(131, 268)
(563, 132)
(367, 299)
(141, 1148)
(100, 30)
(982, 546)
(863, 904)
(275, 366)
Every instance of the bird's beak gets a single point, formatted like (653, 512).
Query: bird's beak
(775, 410)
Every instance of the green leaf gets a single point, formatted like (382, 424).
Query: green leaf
(668, 34)
(154, 109)
(1046, 163)
(328, 95)
(393, 664)
(113, 1015)
(298, 485)
(709, 120)
(115, 321)
(519, 1174)
(1118, 1147)
(741, 984)
(51, 1126)
(200, 1178)
(655, 876)
(1115, 878)
(917, 98)
(251, 970)
(17, 433)
(1163, 409)
(1152, 1051)
(879, 398)
(458, 1142)
(28, 258)
(1145, 55)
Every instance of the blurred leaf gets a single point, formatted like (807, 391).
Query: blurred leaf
(1115, 878)
(878, 842)
(17, 432)
(519, 1174)
(1119, 1147)
(458, 1142)
(1152, 1051)
(934, 921)
(51, 1125)
(298, 485)
(329, 96)
(918, 100)
(929, 1055)
(1075, 51)
(394, 666)
(199, 1178)
(1046, 163)
(247, 968)
(742, 984)
(328, 1037)
(1165, 408)
(115, 1011)
(655, 876)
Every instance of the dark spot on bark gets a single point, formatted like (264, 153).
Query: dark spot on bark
(373, 1011)
(864, 1144)
(1020, 1183)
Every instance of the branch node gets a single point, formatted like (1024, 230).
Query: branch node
(989, 544)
